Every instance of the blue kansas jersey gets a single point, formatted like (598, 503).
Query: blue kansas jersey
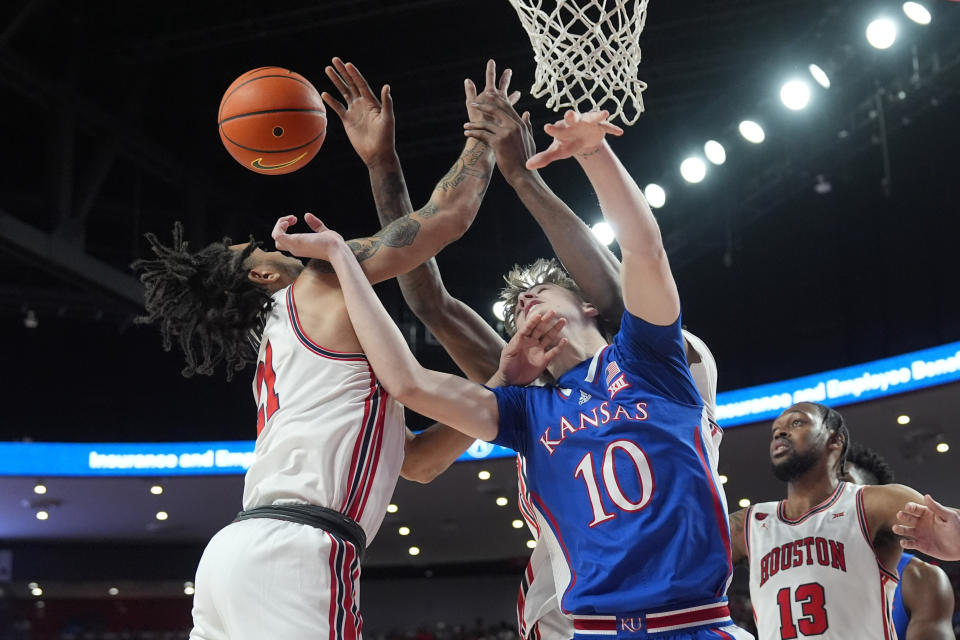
(621, 478)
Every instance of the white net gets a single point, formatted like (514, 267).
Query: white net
(587, 53)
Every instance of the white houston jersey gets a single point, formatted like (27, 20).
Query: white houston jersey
(538, 613)
(327, 432)
(818, 575)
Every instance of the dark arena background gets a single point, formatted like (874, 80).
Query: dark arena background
(833, 243)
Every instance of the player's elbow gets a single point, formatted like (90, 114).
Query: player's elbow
(416, 469)
(402, 387)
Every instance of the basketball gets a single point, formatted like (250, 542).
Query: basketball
(272, 120)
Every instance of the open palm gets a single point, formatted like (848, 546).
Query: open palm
(367, 119)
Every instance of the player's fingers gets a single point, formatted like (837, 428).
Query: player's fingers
(479, 134)
(363, 87)
(542, 159)
(386, 99)
(553, 332)
(314, 222)
(341, 69)
(280, 228)
(491, 75)
(481, 125)
(504, 83)
(335, 105)
(532, 323)
(570, 116)
(337, 82)
(907, 543)
(545, 321)
(936, 507)
(906, 517)
(611, 128)
(513, 98)
(469, 90)
(914, 509)
(555, 128)
(903, 530)
(554, 351)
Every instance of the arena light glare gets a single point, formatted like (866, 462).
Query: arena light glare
(483, 474)
(498, 309)
(404, 531)
(917, 12)
(502, 502)
(603, 233)
(882, 33)
(752, 132)
(42, 515)
(39, 488)
(162, 515)
(392, 508)
(517, 524)
(156, 489)
(113, 591)
(942, 447)
(795, 94)
(904, 419)
(37, 591)
(655, 195)
(531, 544)
(693, 170)
(723, 479)
(414, 551)
(715, 152)
(32, 585)
(819, 75)
(188, 589)
(744, 502)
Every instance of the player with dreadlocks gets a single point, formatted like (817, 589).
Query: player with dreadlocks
(330, 440)
(823, 561)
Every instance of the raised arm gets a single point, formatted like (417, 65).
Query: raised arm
(370, 127)
(649, 291)
(591, 264)
(419, 235)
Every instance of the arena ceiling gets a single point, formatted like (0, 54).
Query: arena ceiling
(109, 131)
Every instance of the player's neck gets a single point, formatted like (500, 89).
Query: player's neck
(809, 490)
(581, 345)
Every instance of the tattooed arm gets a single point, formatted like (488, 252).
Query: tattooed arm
(417, 236)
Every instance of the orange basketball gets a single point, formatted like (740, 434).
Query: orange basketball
(272, 120)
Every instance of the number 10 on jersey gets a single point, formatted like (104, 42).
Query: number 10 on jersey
(586, 470)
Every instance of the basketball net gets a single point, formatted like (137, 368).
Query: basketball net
(587, 53)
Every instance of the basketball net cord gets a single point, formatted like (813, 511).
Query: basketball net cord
(587, 54)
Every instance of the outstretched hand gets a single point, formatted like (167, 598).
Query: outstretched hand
(930, 528)
(491, 87)
(577, 134)
(305, 245)
(531, 350)
(367, 120)
(510, 135)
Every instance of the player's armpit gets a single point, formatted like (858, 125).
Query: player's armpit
(738, 545)
(928, 598)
